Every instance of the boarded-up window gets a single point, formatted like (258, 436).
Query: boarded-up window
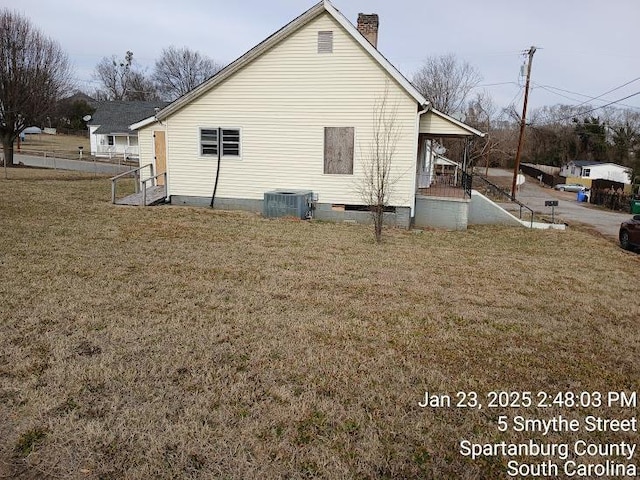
(338, 150)
(325, 42)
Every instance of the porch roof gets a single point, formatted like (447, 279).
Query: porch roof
(438, 124)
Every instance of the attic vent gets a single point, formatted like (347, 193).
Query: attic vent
(325, 42)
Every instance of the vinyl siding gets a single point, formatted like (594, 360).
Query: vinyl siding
(281, 102)
(433, 124)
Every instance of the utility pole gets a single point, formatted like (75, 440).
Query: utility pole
(523, 121)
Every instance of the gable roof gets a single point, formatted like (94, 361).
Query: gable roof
(583, 163)
(116, 116)
(293, 26)
(589, 163)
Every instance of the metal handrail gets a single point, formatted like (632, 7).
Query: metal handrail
(136, 176)
(499, 190)
(467, 183)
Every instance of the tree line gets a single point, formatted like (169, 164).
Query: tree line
(176, 72)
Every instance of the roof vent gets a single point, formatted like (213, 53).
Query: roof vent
(325, 42)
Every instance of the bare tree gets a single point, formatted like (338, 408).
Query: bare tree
(446, 82)
(377, 182)
(180, 70)
(122, 81)
(34, 75)
(481, 114)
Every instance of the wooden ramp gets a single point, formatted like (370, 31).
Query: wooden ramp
(155, 195)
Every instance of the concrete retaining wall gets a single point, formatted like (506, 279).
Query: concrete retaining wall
(442, 212)
(483, 211)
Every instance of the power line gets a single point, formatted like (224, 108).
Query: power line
(589, 97)
(544, 87)
(612, 90)
(551, 88)
(518, 95)
(496, 84)
(598, 108)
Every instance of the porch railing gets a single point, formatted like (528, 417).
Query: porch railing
(112, 151)
(136, 175)
(455, 185)
(154, 183)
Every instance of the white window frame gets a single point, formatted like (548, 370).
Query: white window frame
(201, 144)
(586, 172)
(220, 143)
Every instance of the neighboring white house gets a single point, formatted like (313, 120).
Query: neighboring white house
(296, 113)
(109, 132)
(588, 171)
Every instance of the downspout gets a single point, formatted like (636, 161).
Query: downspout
(215, 187)
(422, 109)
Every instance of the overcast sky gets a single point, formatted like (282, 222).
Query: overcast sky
(586, 47)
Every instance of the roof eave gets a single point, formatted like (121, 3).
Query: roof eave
(142, 123)
(460, 124)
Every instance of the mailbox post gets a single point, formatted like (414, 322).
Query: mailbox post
(553, 204)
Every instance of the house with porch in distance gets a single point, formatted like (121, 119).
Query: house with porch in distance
(109, 132)
(297, 114)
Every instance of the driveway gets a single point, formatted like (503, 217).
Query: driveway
(568, 210)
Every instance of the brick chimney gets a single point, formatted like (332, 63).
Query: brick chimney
(368, 26)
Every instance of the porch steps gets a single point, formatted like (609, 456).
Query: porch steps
(155, 195)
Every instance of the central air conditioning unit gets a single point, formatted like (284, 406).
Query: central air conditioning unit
(288, 203)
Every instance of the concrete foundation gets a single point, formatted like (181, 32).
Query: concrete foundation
(323, 211)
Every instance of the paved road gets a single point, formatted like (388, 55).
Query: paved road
(568, 210)
(76, 165)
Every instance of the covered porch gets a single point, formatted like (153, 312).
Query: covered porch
(443, 184)
(439, 175)
(115, 144)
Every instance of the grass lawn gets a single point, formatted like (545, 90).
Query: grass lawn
(61, 146)
(174, 342)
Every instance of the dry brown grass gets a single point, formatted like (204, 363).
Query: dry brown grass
(174, 342)
(61, 146)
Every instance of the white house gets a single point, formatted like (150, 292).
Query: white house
(109, 132)
(296, 113)
(581, 170)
